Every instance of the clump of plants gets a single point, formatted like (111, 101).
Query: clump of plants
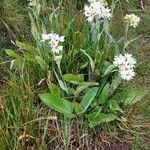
(81, 63)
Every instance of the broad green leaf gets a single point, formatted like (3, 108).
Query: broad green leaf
(129, 96)
(84, 86)
(55, 90)
(12, 53)
(90, 59)
(98, 57)
(115, 83)
(34, 27)
(75, 79)
(109, 70)
(89, 84)
(115, 106)
(25, 46)
(68, 105)
(61, 84)
(79, 90)
(104, 94)
(97, 118)
(88, 98)
(42, 63)
(78, 108)
(133, 96)
(63, 106)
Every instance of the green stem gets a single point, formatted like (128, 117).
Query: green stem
(66, 129)
(126, 33)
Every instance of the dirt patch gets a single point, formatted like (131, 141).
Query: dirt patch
(118, 145)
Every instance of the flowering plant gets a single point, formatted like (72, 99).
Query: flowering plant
(83, 79)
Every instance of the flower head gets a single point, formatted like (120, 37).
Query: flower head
(54, 40)
(126, 64)
(97, 10)
(132, 20)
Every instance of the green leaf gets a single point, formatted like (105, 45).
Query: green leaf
(78, 108)
(63, 106)
(79, 90)
(97, 118)
(55, 90)
(88, 98)
(90, 59)
(75, 79)
(25, 46)
(61, 84)
(68, 106)
(115, 83)
(129, 96)
(133, 96)
(12, 53)
(109, 70)
(42, 63)
(84, 86)
(115, 106)
(104, 94)
(34, 26)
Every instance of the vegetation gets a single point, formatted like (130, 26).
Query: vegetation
(72, 98)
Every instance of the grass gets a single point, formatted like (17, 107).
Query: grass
(26, 123)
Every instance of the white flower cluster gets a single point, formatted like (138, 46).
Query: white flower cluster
(54, 40)
(132, 20)
(126, 64)
(97, 10)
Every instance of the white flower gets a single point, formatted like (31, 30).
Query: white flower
(54, 40)
(119, 60)
(129, 59)
(132, 20)
(127, 73)
(62, 38)
(45, 37)
(106, 13)
(97, 10)
(126, 64)
(57, 49)
(89, 13)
